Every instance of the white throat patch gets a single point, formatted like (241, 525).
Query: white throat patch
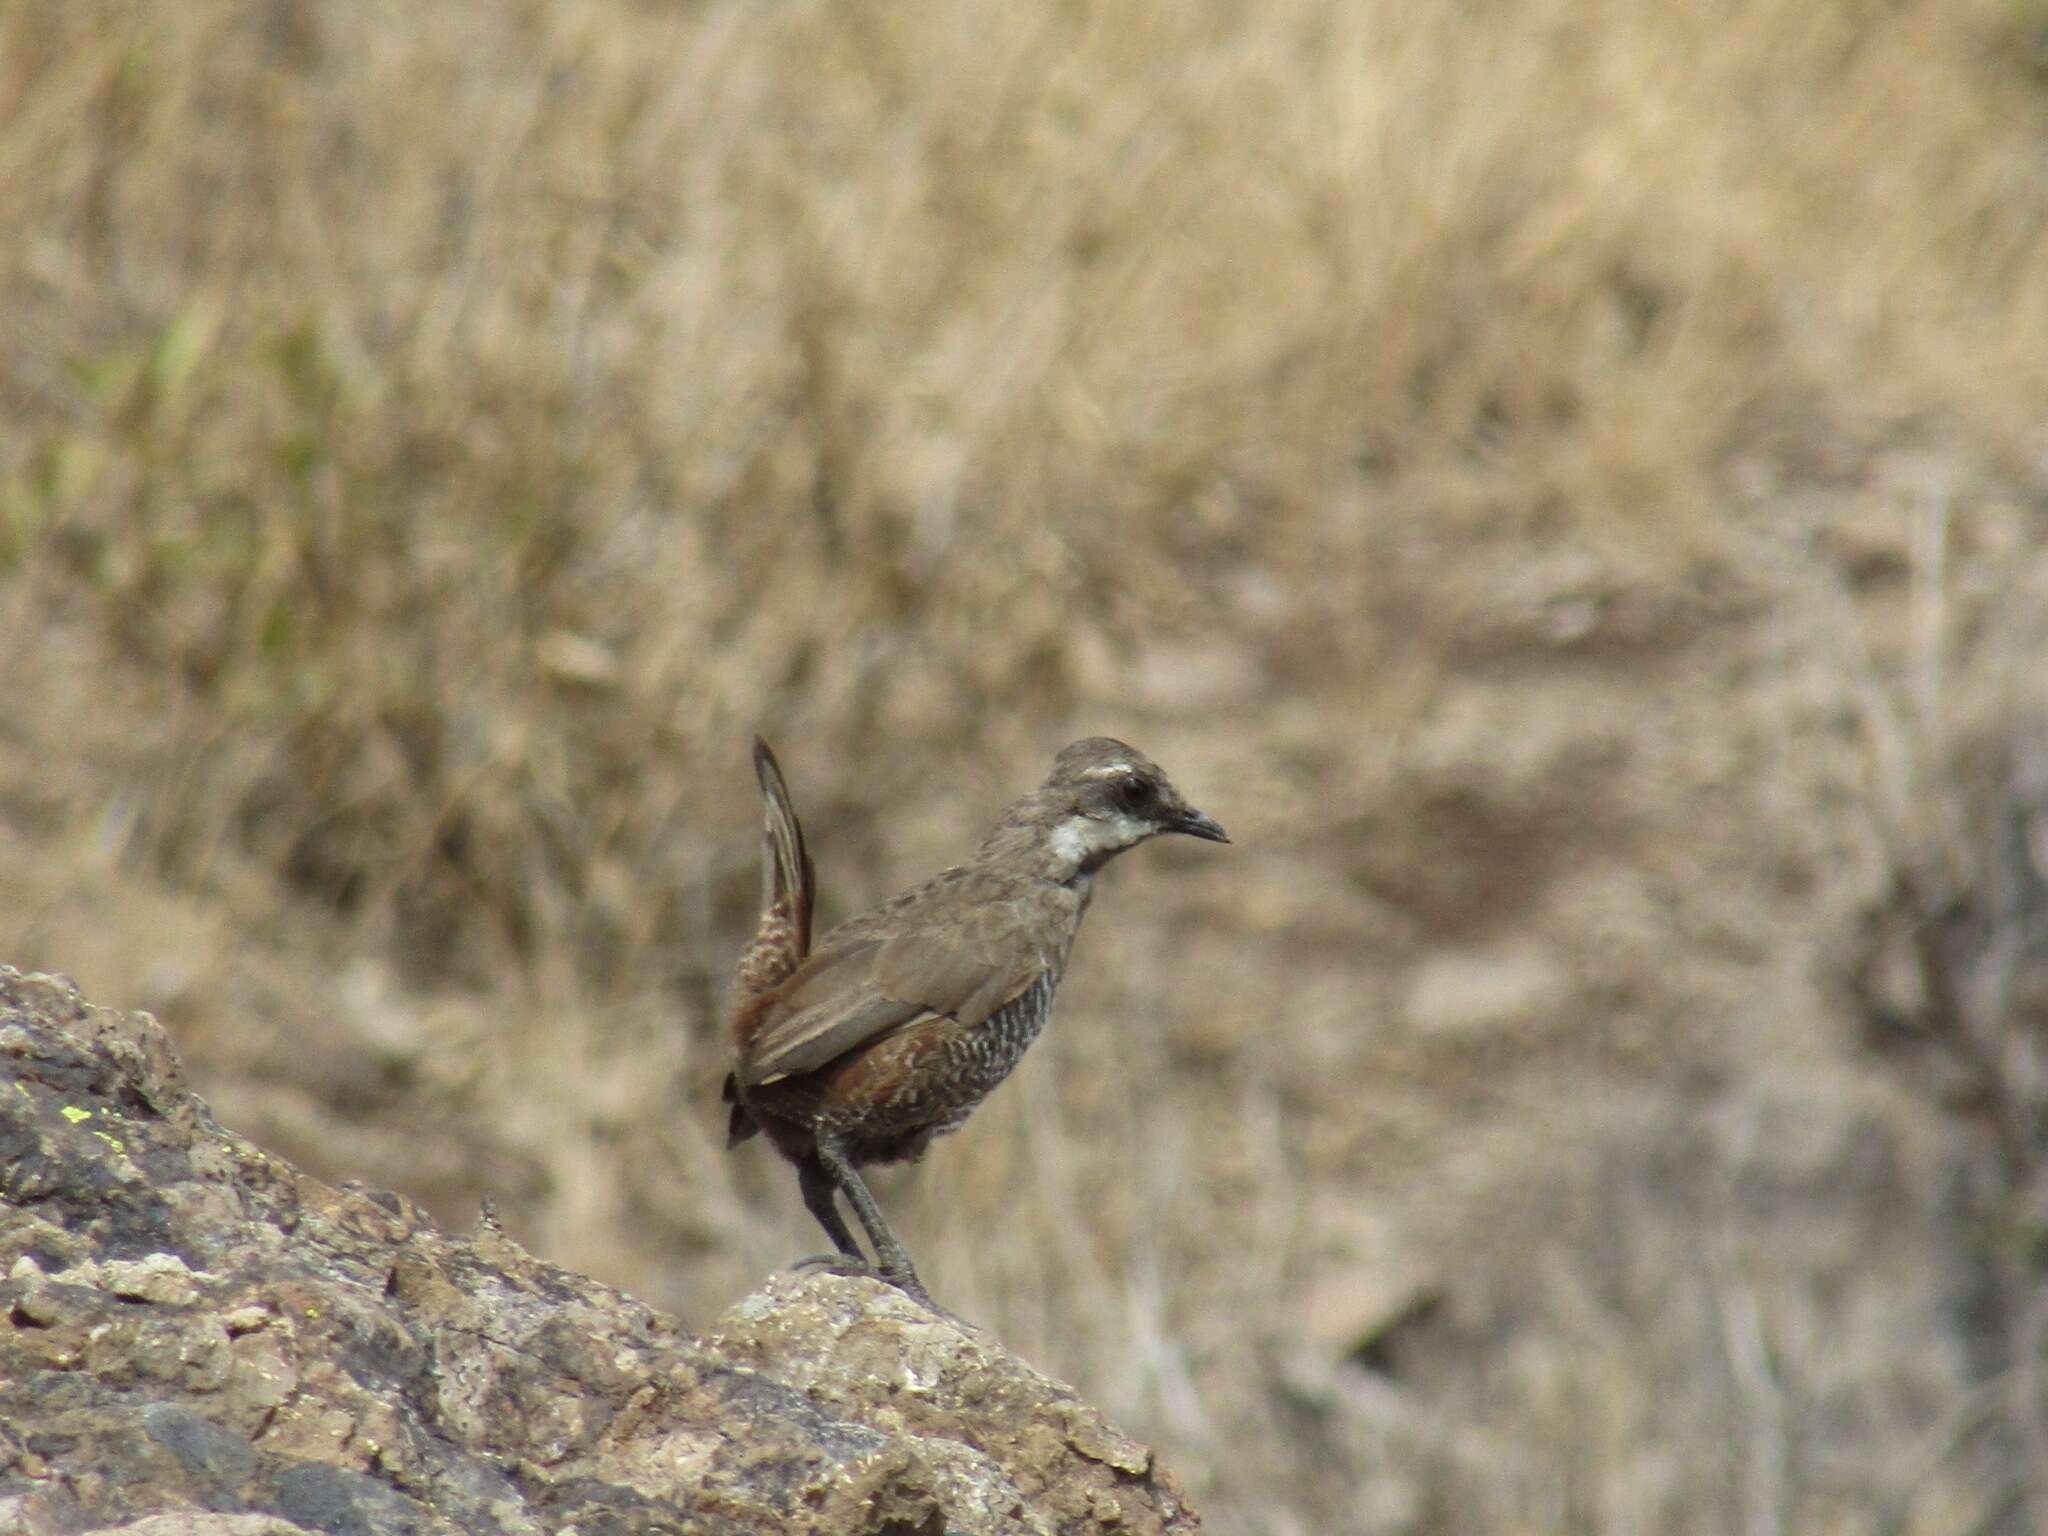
(1080, 838)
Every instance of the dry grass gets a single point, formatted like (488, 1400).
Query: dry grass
(1453, 439)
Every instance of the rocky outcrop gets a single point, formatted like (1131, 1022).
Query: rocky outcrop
(197, 1338)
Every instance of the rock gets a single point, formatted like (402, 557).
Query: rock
(1012, 1442)
(197, 1338)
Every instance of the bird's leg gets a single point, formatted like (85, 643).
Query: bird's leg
(892, 1259)
(818, 1187)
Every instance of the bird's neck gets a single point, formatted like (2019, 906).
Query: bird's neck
(1058, 850)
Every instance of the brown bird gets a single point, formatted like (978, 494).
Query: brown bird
(902, 1020)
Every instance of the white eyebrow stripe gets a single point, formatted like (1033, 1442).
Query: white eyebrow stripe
(1108, 771)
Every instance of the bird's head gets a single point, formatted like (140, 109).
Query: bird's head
(1102, 798)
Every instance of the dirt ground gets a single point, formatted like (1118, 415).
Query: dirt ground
(1565, 483)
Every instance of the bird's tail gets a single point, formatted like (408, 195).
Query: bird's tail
(783, 936)
(739, 1122)
(787, 881)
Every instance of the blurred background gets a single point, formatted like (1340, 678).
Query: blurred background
(1564, 481)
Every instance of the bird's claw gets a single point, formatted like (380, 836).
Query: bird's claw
(860, 1269)
(839, 1264)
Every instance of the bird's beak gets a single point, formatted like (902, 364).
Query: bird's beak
(1195, 824)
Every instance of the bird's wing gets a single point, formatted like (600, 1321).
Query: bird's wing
(827, 1008)
(965, 975)
(844, 997)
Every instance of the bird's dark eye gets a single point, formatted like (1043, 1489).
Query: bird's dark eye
(1133, 794)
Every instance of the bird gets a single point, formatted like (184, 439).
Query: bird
(899, 1022)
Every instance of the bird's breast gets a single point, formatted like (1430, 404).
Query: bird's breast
(978, 1059)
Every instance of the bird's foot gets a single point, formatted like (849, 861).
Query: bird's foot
(905, 1281)
(839, 1264)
